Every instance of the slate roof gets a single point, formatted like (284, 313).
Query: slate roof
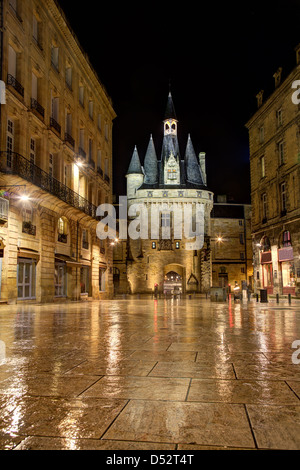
(190, 171)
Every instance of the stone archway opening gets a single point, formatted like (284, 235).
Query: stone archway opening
(174, 279)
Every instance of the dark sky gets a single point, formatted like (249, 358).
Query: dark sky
(217, 55)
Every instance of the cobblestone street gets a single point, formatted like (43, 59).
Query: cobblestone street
(140, 374)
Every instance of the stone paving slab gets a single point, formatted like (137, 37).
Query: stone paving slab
(123, 375)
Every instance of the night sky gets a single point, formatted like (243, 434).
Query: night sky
(217, 56)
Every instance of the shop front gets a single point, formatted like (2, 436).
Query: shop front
(267, 271)
(287, 268)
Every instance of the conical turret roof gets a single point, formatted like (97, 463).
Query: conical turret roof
(150, 164)
(193, 171)
(135, 166)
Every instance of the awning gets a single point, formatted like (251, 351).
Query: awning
(28, 253)
(67, 259)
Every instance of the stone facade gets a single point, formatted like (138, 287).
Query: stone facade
(231, 243)
(56, 149)
(164, 261)
(274, 134)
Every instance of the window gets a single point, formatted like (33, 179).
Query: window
(242, 239)
(91, 109)
(102, 279)
(85, 280)
(266, 245)
(85, 239)
(287, 239)
(62, 229)
(81, 95)
(69, 77)
(9, 142)
(99, 122)
(241, 223)
(264, 207)
(262, 167)
(12, 62)
(32, 151)
(90, 149)
(55, 57)
(34, 87)
(26, 278)
(60, 280)
(279, 117)
(36, 31)
(51, 165)
(283, 198)
(82, 139)
(55, 108)
(281, 153)
(261, 134)
(242, 255)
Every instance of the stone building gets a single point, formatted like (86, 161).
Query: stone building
(274, 133)
(55, 161)
(231, 244)
(165, 258)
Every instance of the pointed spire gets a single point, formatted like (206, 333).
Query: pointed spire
(170, 110)
(192, 166)
(135, 166)
(150, 164)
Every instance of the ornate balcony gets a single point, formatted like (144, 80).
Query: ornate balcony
(37, 107)
(54, 124)
(69, 140)
(13, 82)
(16, 164)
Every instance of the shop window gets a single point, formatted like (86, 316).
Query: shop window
(85, 280)
(26, 279)
(60, 280)
(102, 279)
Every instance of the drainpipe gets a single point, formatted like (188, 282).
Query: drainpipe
(1, 48)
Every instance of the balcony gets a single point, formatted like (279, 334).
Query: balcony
(107, 179)
(16, 13)
(29, 228)
(82, 153)
(100, 171)
(54, 125)
(13, 82)
(69, 140)
(92, 164)
(37, 107)
(16, 164)
(62, 238)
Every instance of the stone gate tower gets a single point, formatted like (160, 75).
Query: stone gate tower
(165, 261)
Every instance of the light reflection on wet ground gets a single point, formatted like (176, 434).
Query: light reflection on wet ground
(144, 374)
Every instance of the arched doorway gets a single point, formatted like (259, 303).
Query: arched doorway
(174, 279)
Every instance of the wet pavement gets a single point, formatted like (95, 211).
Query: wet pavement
(141, 374)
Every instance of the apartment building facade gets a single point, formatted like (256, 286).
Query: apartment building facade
(274, 133)
(55, 160)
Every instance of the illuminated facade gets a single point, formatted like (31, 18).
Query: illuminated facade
(165, 261)
(56, 149)
(274, 133)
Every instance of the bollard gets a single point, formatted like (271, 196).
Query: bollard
(290, 299)
(277, 298)
(256, 297)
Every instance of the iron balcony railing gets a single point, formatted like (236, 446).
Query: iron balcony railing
(15, 164)
(13, 82)
(35, 105)
(54, 125)
(69, 139)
